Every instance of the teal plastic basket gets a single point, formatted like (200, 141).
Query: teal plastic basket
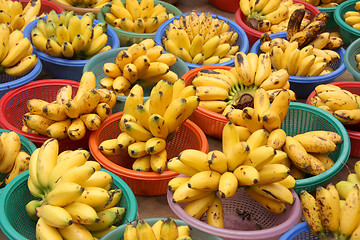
(347, 32)
(195, 234)
(26, 145)
(350, 61)
(302, 118)
(95, 64)
(128, 38)
(17, 225)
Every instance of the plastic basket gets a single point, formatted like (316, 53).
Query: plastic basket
(144, 183)
(128, 38)
(300, 231)
(262, 225)
(302, 118)
(13, 107)
(350, 61)
(95, 64)
(353, 87)
(194, 233)
(78, 10)
(210, 122)
(26, 145)
(347, 32)
(228, 6)
(8, 83)
(65, 68)
(242, 40)
(17, 225)
(254, 35)
(302, 86)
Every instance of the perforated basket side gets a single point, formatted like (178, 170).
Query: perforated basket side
(350, 61)
(17, 225)
(300, 231)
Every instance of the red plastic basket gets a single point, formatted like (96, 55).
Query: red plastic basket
(46, 6)
(144, 183)
(228, 6)
(252, 34)
(13, 107)
(353, 87)
(210, 122)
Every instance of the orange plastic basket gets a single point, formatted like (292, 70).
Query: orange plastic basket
(210, 122)
(189, 136)
(353, 131)
(13, 107)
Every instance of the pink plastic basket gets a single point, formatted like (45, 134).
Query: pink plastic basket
(238, 210)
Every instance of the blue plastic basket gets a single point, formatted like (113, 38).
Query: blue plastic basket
(303, 86)
(300, 231)
(65, 68)
(8, 83)
(17, 225)
(242, 41)
(95, 64)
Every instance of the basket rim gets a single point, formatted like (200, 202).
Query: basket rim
(239, 15)
(350, 53)
(10, 94)
(315, 79)
(188, 77)
(344, 149)
(106, 8)
(131, 210)
(229, 233)
(242, 35)
(340, 21)
(24, 79)
(352, 133)
(294, 231)
(62, 61)
(148, 176)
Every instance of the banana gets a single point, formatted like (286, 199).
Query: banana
(11, 148)
(184, 194)
(268, 203)
(144, 231)
(205, 180)
(23, 67)
(263, 69)
(75, 230)
(173, 115)
(349, 217)
(270, 7)
(54, 111)
(260, 156)
(257, 139)
(275, 80)
(64, 194)
(276, 138)
(31, 208)
(176, 182)
(217, 161)
(169, 229)
(95, 197)
(111, 147)
(137, 149)
(273, 173)
(244, 70)
(16, 53)
(82, 213)
(333, 136)
(297, 153)
(142, 164)
(245, 7)
(130, 231)
(98, 179)
(197, 208)
(92, 121)
(21, 164)
(329, 208)
(215, 215)
(174, 164)
(237, 155)
(77, 129)
(43, 230)
(294, 22)
(280, 14)
(315, 144)
(275, 191)
(64, 94)
(54, 216)
(251, 119)
(210, 46)
(246, 175)
(228, 184)
(78, 174)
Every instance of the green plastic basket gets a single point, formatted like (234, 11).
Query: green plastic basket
(350, 61)
(26, 145)
(302, 118)
(17, 225)
(330, 10)
(95, 64)
(128, 38)
(347, 32)
(195, 234)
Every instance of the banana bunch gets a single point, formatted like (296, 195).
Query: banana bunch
(16, 53)
(15, 16)
(85, 3)
(313, 33)
(201, 39)
(161, 229)
(141, 16)
(13, 160)
(142, 63)
(75, 199)
(341, 103)
(147, 127)
(70, 36)
(222, 90)
(271, 16)
(325, 3)
(353, 17)
(333, 211)
(68, 116)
